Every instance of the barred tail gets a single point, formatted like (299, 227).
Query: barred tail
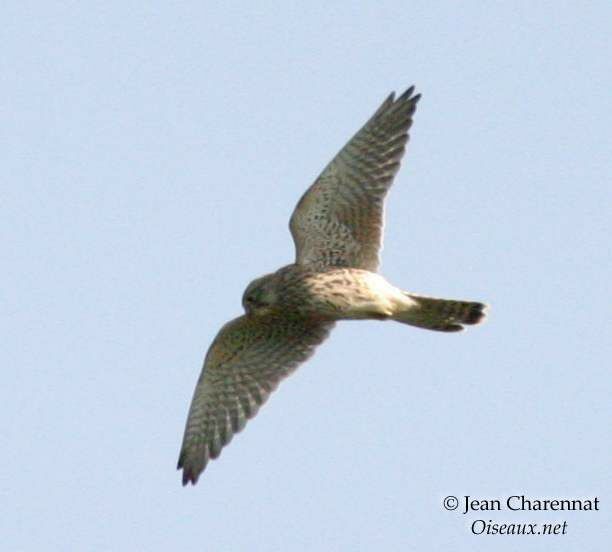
(442, 315)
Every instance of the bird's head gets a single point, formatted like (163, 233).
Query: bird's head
(260, 295)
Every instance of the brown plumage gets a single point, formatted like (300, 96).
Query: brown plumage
(337, 229)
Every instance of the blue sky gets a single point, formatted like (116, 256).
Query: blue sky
(152, 156)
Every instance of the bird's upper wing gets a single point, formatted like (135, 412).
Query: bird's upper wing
(339, 220)
(244, 364)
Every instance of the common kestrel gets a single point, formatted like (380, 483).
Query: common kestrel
(336, 227)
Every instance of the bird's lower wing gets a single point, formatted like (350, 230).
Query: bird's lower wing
(339, 220)
(245, 363)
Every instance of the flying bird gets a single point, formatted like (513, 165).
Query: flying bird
(337, 229)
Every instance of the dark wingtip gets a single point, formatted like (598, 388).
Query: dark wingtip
(407, 95)
(190, 475)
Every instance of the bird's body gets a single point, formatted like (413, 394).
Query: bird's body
(337, 229)
(331, 294)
